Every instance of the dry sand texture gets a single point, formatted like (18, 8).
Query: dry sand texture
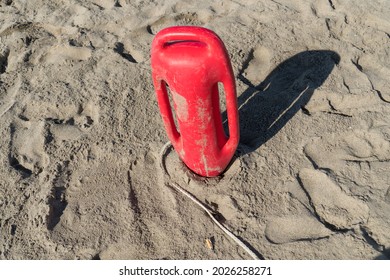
(81, 132)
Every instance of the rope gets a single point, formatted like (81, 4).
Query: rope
(176, 186)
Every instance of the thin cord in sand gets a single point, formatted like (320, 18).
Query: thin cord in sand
(201, 205)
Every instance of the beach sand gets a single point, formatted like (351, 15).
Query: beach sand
(81, 133)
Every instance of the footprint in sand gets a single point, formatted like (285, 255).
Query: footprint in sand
(65, 132)
(58, 54)
(259, 66)
(27, 151)
(345, 155)
(332, 205)
(295, 228)
(88, 117)
(88, 197)
(358, 145)
(343, 104)
(74, 127)
(360, 160)
(153, 207)
(355, 93)
(378, 74)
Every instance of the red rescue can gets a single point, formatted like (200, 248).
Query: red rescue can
(191, 61)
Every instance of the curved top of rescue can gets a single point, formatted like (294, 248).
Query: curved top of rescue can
(176, 34)
(177, 39)
(191, 35)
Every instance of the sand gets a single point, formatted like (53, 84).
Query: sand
(81, 134)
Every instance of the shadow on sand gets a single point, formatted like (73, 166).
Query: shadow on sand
(265, 108)
(385, 255)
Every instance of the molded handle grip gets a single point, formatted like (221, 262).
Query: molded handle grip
(166, 113)
(183, 33)
(232, 113)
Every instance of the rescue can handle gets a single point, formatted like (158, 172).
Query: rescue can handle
(166, 113)
(232, 112)
(175, 34)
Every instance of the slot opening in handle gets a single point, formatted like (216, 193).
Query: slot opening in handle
(222, 108)
(184, 42)
(231, 115)
(171, 107)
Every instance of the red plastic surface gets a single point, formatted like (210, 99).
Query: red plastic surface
(191, 61)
